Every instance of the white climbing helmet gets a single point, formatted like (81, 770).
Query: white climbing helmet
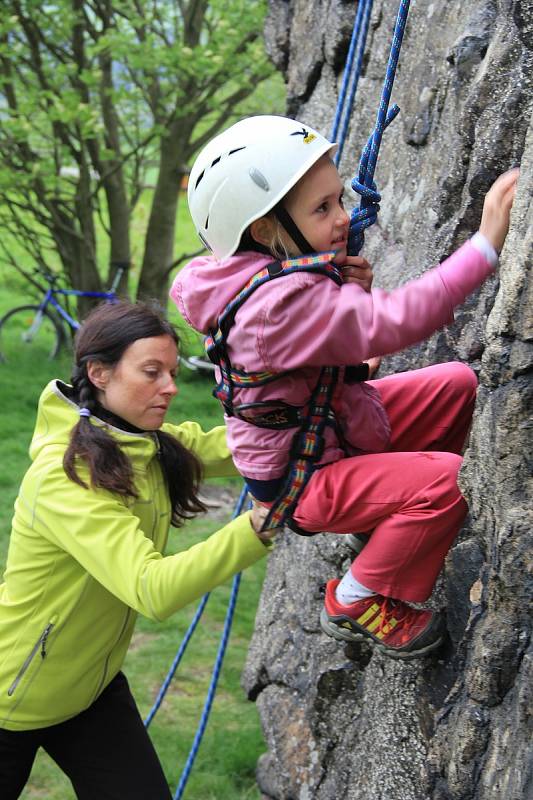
(244, 171)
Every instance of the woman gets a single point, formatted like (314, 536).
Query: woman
(91, 522)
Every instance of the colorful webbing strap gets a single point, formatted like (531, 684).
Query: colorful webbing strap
(307, 448)
(215, 342)
(308, 442)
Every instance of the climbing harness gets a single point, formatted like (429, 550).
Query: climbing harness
(308, 443)
(216, 343)
(308, 440)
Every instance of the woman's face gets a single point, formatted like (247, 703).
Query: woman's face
(316, 206)
(141, 385)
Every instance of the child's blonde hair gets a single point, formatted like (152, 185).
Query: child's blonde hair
(277, 245)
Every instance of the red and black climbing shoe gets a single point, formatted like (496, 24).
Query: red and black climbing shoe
(395, 628)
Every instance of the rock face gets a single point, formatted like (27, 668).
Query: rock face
(340, 722)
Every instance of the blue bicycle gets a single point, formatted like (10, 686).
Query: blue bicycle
(39, 329)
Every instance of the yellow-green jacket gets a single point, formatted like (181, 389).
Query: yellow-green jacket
(83, 562)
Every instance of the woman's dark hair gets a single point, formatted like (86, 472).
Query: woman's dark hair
(104, 336)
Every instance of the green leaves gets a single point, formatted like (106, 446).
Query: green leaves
(106, 85)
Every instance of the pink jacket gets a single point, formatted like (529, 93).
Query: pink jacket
(302, 322)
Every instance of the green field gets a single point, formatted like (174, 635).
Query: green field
(224, 769)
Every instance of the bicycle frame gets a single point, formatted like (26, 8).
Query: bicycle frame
(50, 299)
(51, 293)
(40, 311)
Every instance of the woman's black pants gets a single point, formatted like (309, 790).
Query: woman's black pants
(105, 751)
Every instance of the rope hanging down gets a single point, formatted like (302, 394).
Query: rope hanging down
(352, 73)
(212, 687)
(216, 668)
(175, 664)
(364, 185)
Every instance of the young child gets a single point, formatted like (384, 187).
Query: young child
(266, 189)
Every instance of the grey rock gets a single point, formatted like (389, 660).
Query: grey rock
(342, 722)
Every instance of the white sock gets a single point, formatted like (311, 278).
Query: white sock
(350, 590)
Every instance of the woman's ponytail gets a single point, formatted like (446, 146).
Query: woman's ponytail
(183, 473)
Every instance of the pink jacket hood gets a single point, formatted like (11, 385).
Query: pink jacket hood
(205, 286)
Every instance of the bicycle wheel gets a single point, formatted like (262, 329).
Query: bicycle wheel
(30, 333)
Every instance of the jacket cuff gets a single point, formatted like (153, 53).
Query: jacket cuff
(483, 246)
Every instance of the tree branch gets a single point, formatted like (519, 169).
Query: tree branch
(229, 102)
(182, 258)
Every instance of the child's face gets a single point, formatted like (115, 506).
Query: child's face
(316, 206)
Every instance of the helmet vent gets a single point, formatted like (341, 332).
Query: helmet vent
(215, 161)
(199, 178)
(204, 241)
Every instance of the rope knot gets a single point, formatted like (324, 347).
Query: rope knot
(364, 216)
(369, 193)
(367, 213)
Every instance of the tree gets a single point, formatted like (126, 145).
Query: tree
(93, 94)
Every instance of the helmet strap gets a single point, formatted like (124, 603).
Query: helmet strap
(289, 225)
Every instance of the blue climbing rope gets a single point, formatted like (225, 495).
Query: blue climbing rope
(173, 667)
(352, 73)
(212, 688)
(366, 214)
(216, 669)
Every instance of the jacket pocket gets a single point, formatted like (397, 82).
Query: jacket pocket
(38, 647)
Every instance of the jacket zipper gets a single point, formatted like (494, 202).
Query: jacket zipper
(40, 643)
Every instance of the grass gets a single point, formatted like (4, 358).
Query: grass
(224, 769)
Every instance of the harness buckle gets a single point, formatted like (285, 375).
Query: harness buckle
(275, 268)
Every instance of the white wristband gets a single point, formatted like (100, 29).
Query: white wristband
(482, 245)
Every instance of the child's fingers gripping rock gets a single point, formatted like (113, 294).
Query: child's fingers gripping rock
(497, 208)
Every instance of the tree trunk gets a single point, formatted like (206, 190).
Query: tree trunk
(160, 235)
(113, 181)
(75, 240)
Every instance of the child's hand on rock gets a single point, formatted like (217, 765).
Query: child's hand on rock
(497, 208)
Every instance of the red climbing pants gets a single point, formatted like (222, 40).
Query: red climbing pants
(407, 498)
